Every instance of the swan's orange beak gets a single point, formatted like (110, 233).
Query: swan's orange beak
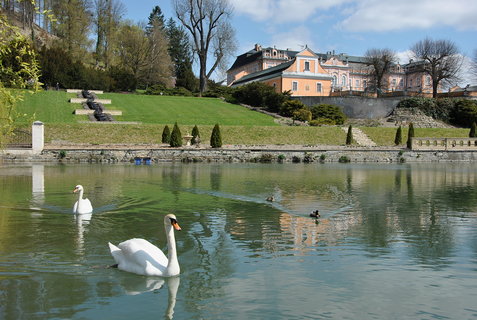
(75, 190)
(176, 226)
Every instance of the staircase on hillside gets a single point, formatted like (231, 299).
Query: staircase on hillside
(360, 137)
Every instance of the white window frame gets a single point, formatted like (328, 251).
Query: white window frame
(307, 66)
(294, 85)
(319, 87)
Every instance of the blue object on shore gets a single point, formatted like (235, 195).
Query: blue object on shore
(147, 161)
(137, 161)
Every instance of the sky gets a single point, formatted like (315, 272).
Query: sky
(345, 26)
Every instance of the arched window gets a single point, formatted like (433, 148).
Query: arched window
(343, 81)
(335, 80)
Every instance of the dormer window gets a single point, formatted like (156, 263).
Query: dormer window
(307, 65)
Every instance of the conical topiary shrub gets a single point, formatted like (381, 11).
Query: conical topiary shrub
(472, 133)
(195, 135)
(166, 135)
(349, 136)
(398, 138)
(410, 135)
(176, 137)
(216, 138)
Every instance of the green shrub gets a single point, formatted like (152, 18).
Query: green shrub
(410, 135)
(176, 137)
(216, 138)
(464, 113)
(321, 121)
(266, 158)
(296, 159)
(195, 135)
(281, 158)
(349, 136)
(302, 115)
(166, 135)
(308, 158)
(398, 138)
(322, 157)
(328, 111)
(288, 107)
(344, 159)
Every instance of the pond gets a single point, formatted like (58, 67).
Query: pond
(394, 241)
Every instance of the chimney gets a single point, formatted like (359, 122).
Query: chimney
(258, 47)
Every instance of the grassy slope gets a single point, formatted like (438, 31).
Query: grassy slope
(238, 125)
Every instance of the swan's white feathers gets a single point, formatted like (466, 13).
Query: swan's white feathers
(139, 256)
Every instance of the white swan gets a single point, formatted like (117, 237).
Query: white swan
(142, 257)
(82, 205)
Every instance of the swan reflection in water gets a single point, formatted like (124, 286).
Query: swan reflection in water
(82, 221)
(136, 285)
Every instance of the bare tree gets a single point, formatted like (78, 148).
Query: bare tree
(212, 36)
(474, 65)
(380, 61)
(442, 61)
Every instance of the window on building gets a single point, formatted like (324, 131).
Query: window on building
(307, 88)
(335, 80)
(318, 87)
(294, 86)
(357, 83)
(343, 81)
(307, 65)
(428, 80)
(410, 82)
(365, 84)
(401, 82)
(394, 82)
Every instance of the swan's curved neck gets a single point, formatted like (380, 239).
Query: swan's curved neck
(173, 263)
(80, 196)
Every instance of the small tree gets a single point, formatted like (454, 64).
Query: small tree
(302, 115)
(166, 135)
(216, 138)
(195, 135)
(398, 138)
(349, 136)
(410, 135)
(176, 137)
(472, 133)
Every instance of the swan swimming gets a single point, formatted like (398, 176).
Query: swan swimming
(82, 205)
(142, 257)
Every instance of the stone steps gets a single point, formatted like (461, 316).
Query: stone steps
(360, 137)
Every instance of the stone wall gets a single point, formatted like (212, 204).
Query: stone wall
(357, 107)
(344, 154)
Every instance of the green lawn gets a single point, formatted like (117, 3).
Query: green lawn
(53, 107)
(103, 133)
(385, 136)
(238, 125)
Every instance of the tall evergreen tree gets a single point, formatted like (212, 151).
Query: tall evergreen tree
(473, 133)
(176, 137)
(216, 137)
(398, 138)
(195, 135)
(166, 135)
(349, 136)
(181, 55)
(410, 135)
(156, 19)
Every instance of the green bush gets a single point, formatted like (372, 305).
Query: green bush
(195, 135)
(344, 159)
(176, 137)
(464, 113)
(439, 109)
(321, 121)
(472, 133)
(398, 138)
(260, 95)
(166, 135)
(349, 136)
(410, 135)
(216, 138)
(328, 111)
(288, 108)
(302, 115)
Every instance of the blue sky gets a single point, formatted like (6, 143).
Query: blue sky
(348, 26)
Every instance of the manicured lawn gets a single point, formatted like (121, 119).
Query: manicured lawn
(385, 136)
(97, 133)
(54, 107)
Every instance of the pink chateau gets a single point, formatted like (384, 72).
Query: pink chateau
(306, 73)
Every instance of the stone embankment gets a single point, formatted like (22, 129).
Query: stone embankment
(235, 153)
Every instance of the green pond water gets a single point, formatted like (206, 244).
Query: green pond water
(394, 241)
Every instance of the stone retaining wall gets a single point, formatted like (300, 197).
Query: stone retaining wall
(242, 155)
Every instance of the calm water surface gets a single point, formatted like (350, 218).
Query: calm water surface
(393, 241)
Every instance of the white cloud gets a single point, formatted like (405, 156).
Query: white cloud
(278, 11)
(404, 56)
(387, 15)
(295, 39)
